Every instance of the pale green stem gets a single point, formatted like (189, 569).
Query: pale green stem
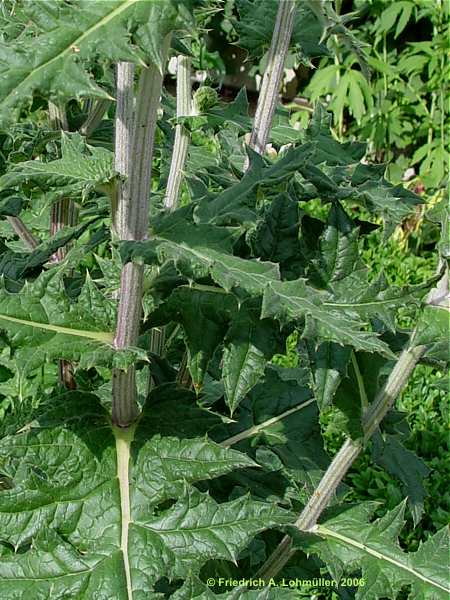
(271, 83)
(132, 224)
(252, 431)
(177, 164)
(343, 460)
(124, 439)
(23, 232)
(182, 135)
(95, 117)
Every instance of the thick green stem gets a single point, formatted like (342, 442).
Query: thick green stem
(343, 460)
(132, 224)
(179, 156)
(95, 117)
(270, 87)
(23, 232)
(57, 117)
(182, 136)
(64, 213)
(124, 439)
(123, 139)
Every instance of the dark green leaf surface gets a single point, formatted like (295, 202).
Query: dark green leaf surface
(201, 250)
(328, 364)
(54, 61)
(348, 543)
(43, 324)
(16, 266)
(391, 454)
(80, 167)
(249, 345)
(69, 480)
(433, 331)
(295, 300)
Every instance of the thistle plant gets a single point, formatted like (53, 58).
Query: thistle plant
(121, 489)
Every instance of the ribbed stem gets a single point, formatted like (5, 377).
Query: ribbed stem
(177, 164)
(64, 213)
(343, 460)
(95, 117)
(132, 209)
(182, 136)
(57, 117)
(123, 137)
(157, 341)
(270, 87)
(132, 224)
(23, 232)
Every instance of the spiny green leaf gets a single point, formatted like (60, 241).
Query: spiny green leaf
(237, 202)
(348, 543)
(287, 300)
(52, 62)
(11, 204)
(391, 454)
(43, 324)
(80, 167)
(235, 113)
(373, 192)
(354, 295)
(338, 245)
(275, 236)
(71, 474)
(16, 266)
(250, 343)
(328, 365)
(204, 313)
(432, 331)
(201, 250)
(280, 412)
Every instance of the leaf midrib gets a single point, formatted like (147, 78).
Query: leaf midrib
(99, 336)
(75, 43)
(328, 533)
(362, 304)
(44, 170)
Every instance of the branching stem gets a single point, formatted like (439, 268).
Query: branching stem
(95, 116)
(132, 224)
(270, 87)
(343, 460)
(23, 232)
(182, 136)
(179, 156)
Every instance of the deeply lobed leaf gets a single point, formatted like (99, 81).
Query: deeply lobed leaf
(66, 499)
